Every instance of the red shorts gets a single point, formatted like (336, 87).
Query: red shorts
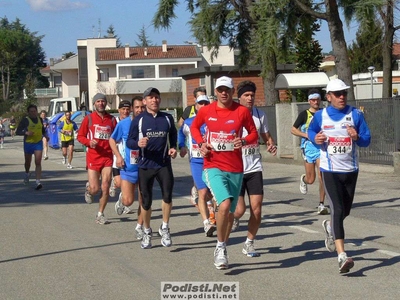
(99, 163)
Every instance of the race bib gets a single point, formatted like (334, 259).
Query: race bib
(196, 151)
(222, 141)
(339, 145)
(67, 132)
(134, 157)
(253, 149)
(102, 133)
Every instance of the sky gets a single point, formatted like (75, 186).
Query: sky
(63, 22)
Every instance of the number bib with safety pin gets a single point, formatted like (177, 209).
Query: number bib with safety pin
(253, 149)
(339, 145)
(196, 151)
(102, 133)
(134, 157)
(221, 141)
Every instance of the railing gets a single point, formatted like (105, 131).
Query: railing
(50, 92)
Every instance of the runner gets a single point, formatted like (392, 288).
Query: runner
(13, 126)
(223, 165)
(310, 152)
(2, 131)
(155, 133)
(339, 130)
(67, 130)
(124, 109)
(45, 121)
(126, 161)
(253, 177)
(186, 142)
(31, 127)
(94, 133)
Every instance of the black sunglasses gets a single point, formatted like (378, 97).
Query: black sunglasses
(339, 93)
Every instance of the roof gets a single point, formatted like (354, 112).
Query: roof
(301, 80)
(153, 52)
(70, 63)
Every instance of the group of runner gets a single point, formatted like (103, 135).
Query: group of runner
(222, 139)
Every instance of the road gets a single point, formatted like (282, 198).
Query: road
(51, 247)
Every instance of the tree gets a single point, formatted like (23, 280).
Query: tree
(68, 54)
(20, 55)
(367, 49)
(330, 14)
(144, 40)
(111, 33)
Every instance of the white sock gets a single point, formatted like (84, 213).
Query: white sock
(99, 214)
(138, 226)
(221, 244)
(206, 222)
(342, 255)
(249, 241)
(164, 225)
(147, 230)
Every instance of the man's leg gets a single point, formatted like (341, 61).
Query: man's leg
(105, 186)
(71, 153)
(38, 164)
(28, 161)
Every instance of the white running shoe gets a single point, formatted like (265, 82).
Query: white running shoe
(119, 207)
(345, 263)
(88, 197)
(303, 185)
(194, 196)
(112, 188)
(329, 241)
(64, 160)
(69, 166)
(322, 209)
(165, 236)
(221, 258)
(235, 225)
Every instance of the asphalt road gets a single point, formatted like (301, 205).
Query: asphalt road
(51, 247)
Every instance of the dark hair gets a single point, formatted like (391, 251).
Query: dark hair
(31, 106)
(199, 89)
(246, 86)
(136, 98)
(313, 91)
(43, 111)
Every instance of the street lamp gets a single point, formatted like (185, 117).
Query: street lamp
(371, 70)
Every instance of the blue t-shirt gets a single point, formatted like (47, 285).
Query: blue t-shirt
(120, 135)
(185, 140)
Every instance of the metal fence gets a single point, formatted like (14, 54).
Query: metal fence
(383, 118)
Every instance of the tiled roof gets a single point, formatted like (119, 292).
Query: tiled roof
(328, 58)
(153, 52)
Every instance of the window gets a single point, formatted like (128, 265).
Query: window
(174, 72)
(202, 81)
(102, 74)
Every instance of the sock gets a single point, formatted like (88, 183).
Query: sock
(164, 225)
(221, 244)
(342, 255)
(248, 241)
(147, 230)
(99, 214)
(206, 221)
(37, 181)
(138, 226)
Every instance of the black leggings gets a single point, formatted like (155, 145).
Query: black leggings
(339, 189)
(165, 179)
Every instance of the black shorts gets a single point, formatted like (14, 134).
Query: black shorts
(252, 184)
(116, 172)
(65, 144)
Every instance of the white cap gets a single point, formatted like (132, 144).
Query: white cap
(336, 85)
(202, 98)
(224, 81)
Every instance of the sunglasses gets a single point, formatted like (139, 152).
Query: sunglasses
(223, 89)
(340, 93)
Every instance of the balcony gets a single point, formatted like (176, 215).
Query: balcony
(164, 85)
(48, 93)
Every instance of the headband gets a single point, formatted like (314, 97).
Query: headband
(246, 88)
(313, 96)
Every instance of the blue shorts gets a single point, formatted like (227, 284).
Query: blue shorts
(30, 148)
(197, 172)
(132, 177)
(223, 185)
(310, 153)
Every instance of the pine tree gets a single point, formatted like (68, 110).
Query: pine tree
(144, 40)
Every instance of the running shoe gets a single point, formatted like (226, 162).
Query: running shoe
(221, 258)
(146, 241)
(26, 178)
(165, 236)
(64, 160)
(128, 210)
(101, 219)
(303, 185)
(88, 197)
(119, 207)
(112, 188)
(209, 229)
(45, 157)
(194, 196)
(235, 225)
(345, 263)
(69, 166)
(329, 241)
(139, 233)
(38, 186)
(322, 209)
(248, 249)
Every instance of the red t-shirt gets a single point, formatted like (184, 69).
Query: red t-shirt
(223, 125)
(100, 130)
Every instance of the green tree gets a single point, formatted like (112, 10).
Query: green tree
(29, 89)
(111, 33)
(366, 50)
(144, 40)
(20, 55)
(68, 54)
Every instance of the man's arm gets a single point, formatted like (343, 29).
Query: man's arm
(22, 127)
(83, 132)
